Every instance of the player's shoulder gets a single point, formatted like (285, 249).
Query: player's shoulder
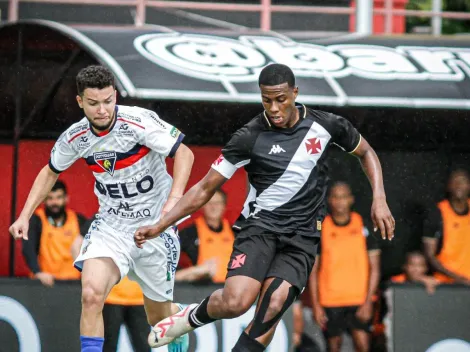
(319, 115)
(75, 130)
(139, 117)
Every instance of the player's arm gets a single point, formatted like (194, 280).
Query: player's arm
(193, 200)
(31, 247)
(381, 215)
(433, 232)
(318, 311)
(366, 311)
(62, 156)
(184, 159)
(41, 187)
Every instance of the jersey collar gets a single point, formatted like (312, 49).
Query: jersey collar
(104, 133)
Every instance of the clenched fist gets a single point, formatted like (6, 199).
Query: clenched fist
(19, 229)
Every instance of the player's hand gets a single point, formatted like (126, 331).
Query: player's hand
(45, 278)
(320, 316)
(382, 218)
(210, 267)
(364, 313)
(145, 233)
(19, 229)
(430, 283)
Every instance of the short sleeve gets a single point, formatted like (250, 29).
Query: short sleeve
(160, 136)
(235, 154)
(63, 155)
(344, 134)
(433, 227)
(371, 240)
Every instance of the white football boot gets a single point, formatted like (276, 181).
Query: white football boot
(167, 330)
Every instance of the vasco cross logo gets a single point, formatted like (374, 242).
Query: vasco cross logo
(107, 161)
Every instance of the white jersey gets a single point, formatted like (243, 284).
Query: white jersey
(128, 162)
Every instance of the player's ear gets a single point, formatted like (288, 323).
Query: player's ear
(80, 101)
(296, 92)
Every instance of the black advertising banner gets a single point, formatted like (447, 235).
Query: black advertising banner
(428, 323)
(34, 318)
(156, 62)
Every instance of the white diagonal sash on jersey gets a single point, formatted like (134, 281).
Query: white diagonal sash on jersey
(297, 172)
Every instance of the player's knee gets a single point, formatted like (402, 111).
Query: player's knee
(277, 303)
(235, 304)
(92, 298)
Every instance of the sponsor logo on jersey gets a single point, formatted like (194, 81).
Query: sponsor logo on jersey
(83, 142)
(172, 254)
(77, 129)
(276, 149)
(125, 190)
(107, 161)
(129, 117)
(155, 118)
(126, 211)
(174, 132)
(124, 130)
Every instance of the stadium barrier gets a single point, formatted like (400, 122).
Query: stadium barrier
(418, 321)
(35, 318)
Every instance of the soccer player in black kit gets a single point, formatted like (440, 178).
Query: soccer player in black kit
(284, 151)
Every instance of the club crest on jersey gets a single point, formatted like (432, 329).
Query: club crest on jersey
(107, 161)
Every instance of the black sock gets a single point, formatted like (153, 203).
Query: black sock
(247, 344)
(199, 316)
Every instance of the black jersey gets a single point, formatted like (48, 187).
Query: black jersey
(286, 169)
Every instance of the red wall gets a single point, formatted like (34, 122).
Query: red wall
(35, 154)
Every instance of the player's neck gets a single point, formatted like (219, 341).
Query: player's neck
(460, 206)
(214, 224)
(341, 219)
(295, 119)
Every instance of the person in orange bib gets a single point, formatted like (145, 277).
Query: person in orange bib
(415, 271)
(52, 231)
(208, 243)
(447, 232)
(346, 273)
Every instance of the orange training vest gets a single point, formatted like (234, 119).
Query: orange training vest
(215, 245)
(55, 255)
(343, 277)
(455, 252)
(126, 293)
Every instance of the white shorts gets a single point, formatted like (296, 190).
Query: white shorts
(153, 267)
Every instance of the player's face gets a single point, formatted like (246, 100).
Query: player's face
(415, 267)
(215, 208)
(341, 200)
(279, 104)
(459, 186)
(99, 106)
(55, 203)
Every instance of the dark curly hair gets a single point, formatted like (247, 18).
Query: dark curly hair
(94, 77)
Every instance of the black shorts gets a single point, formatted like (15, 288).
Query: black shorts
(343, 319)
(259, 253)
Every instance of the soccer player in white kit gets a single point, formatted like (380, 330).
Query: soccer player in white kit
(125, 148)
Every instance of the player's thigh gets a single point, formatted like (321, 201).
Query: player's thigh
(361, 340)
(138, 327)
(154, 266)
(103, 259)
(294, 260)
(99, 275)
(113, 317)
(336, 323)
(254, 249)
